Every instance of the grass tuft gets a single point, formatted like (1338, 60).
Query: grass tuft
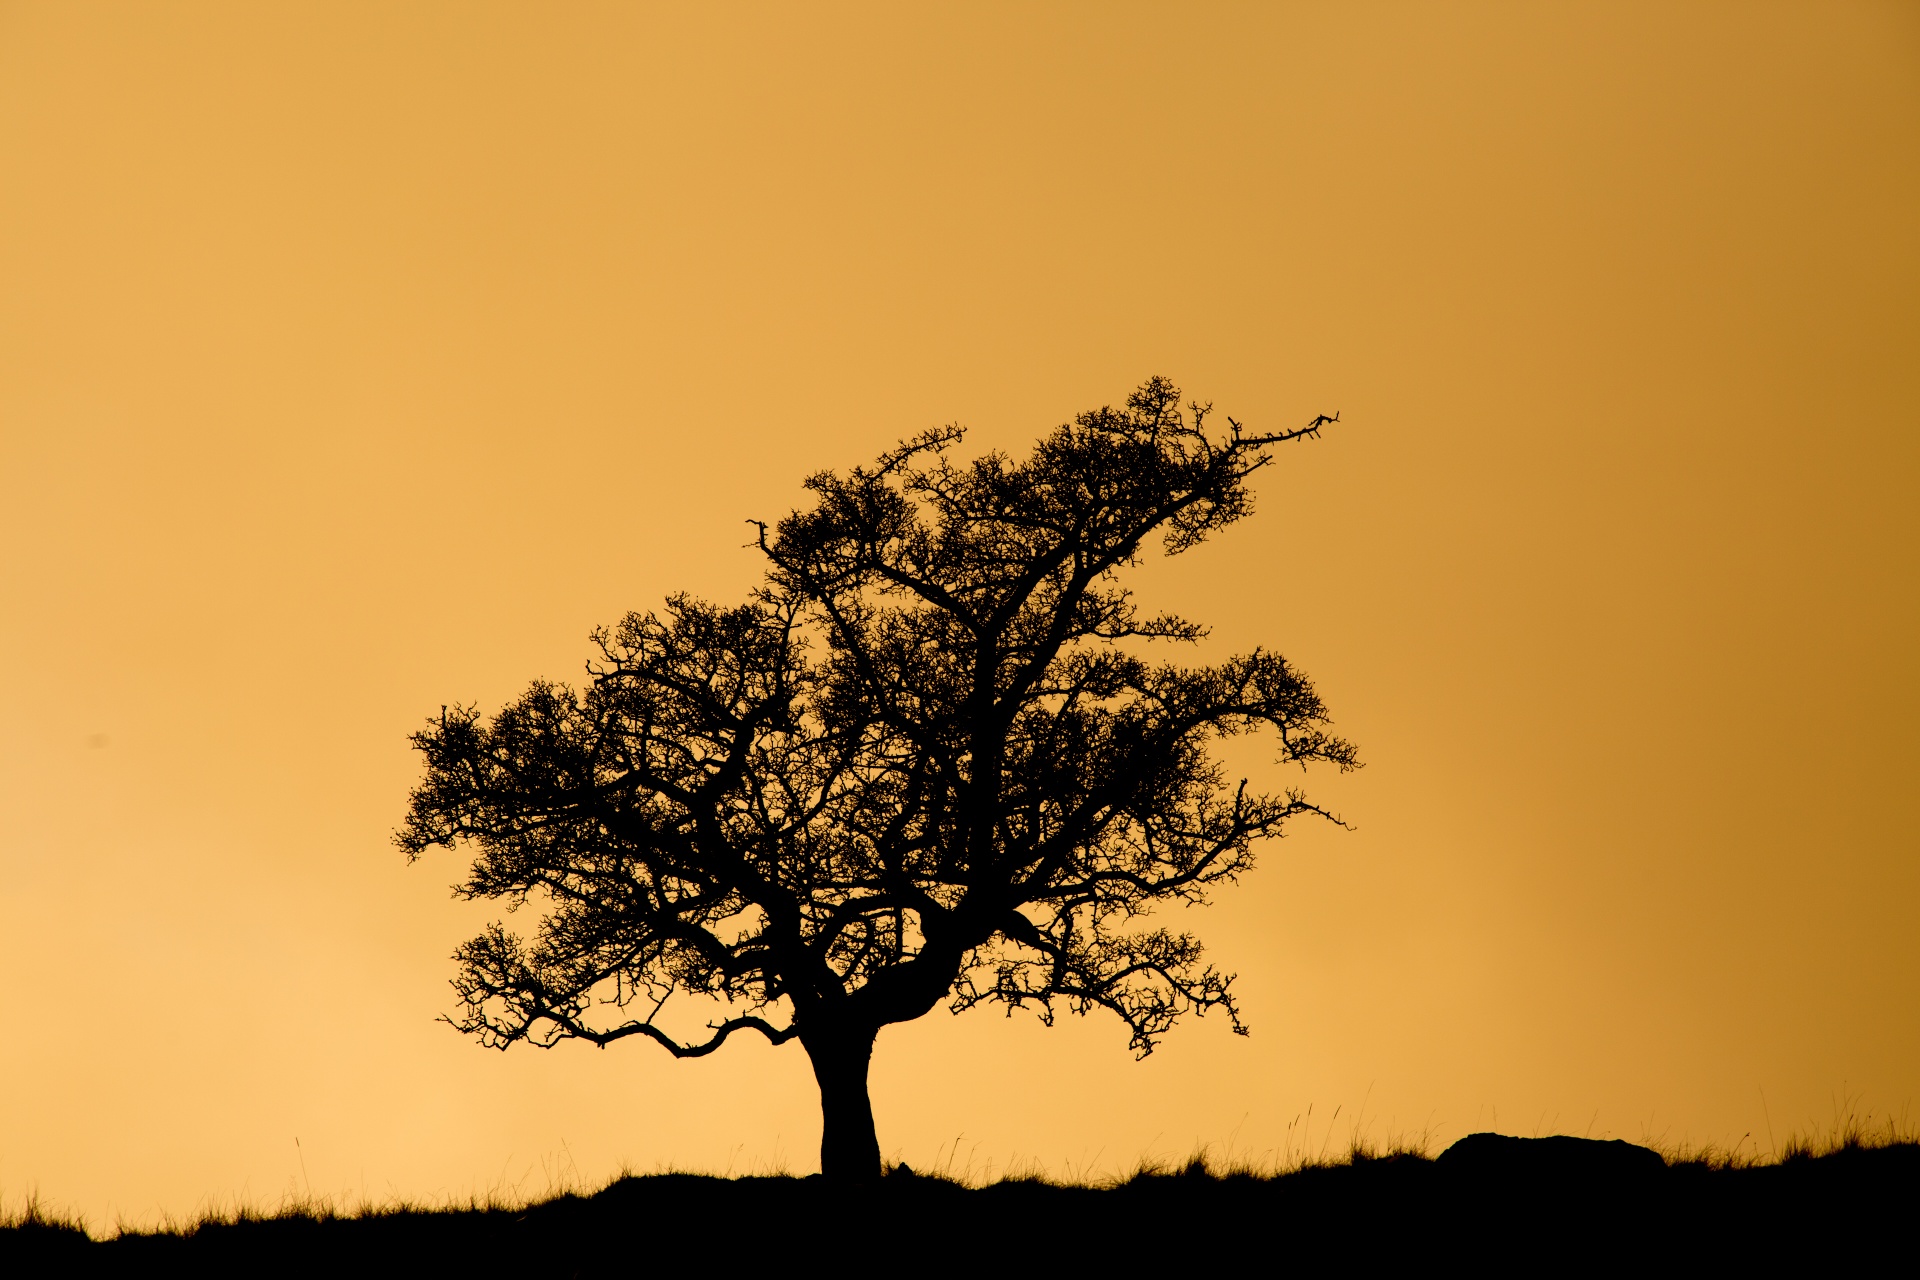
(35, 1217)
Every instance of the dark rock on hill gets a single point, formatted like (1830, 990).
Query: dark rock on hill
(1555, 1159)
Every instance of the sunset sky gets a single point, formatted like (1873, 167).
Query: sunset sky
(359, 358)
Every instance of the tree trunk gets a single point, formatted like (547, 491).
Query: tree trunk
(849, 1149)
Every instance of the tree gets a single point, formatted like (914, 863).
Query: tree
(927, 761)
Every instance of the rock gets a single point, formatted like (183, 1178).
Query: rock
(1556, 1159)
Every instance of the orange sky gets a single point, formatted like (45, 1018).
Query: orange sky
(357, 358)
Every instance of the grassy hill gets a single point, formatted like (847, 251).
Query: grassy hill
(1856, 1200)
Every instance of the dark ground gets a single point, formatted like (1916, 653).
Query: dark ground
(1524, 1207)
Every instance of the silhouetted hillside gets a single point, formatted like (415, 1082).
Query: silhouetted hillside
(1820, 1209)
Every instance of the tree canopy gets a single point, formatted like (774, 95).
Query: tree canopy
(929, 760)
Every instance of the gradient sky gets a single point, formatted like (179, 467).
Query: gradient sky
(359, 358)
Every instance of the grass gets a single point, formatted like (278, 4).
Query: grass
(1851, 1130)
(34, 1216)
(1389, 1198)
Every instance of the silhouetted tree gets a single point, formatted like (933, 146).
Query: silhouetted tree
(926, 762)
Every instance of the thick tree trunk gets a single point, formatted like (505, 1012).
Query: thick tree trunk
(849, 1149)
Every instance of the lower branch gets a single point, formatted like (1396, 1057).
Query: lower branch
(774, 1035)
(573, 1029)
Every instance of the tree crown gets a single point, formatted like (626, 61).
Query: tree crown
(924, 762)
